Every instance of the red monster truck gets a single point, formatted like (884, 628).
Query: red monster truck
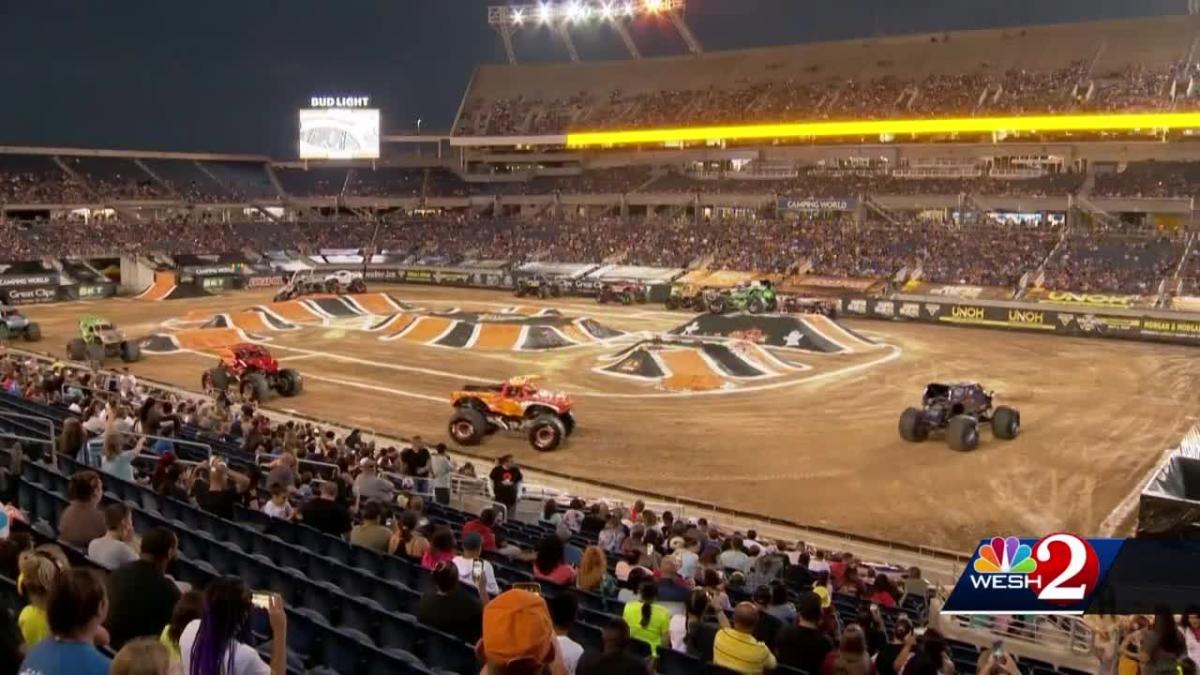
(624, 292)
(255, 372)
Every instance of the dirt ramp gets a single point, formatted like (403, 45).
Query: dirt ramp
(680, 364)
(163, 286)
(810, 333)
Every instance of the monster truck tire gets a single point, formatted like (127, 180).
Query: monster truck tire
(519, 292)
(912, 425)
(672, 303)
(543, 292)
(467, 426)
(717, 305)
(602, 296)
(962, 433)
(358, 285)
(33, 332)
(255, 387)
(1006, 423)
(627, 298)
(95, 352)
(546, 433)
(568, 422)
(555, 291)
(77, 349)
(332, 286)
(215, 378)
(289, 383)
(756, 306)
(130, 351)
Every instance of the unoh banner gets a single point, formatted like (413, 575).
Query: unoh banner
(1062, 573)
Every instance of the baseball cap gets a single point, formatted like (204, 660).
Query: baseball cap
(516, 626)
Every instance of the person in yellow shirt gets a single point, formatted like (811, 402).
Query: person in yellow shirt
(38, 572)
(647, 621)
(189, 608)
(735, 647)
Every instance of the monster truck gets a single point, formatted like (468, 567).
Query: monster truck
(254, 371)
(538, 286)
(305, 282)
(100, 339)
(793, 304)
(958, 409)
(755, 297)
(624, 292)
(14, 324)
(514, 405)
(690, 296)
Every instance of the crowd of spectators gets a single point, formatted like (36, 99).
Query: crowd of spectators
(1150, 180)
(1115, 263)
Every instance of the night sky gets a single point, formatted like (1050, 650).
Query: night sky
(228, 75)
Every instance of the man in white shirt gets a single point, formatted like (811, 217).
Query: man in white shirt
(818, 564)
(115, 547)
(735, 556)
(471, 566)
(563, 608)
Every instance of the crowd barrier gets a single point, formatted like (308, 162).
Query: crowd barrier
(1085, 321)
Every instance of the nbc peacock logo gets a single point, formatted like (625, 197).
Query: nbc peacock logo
(1005, 556)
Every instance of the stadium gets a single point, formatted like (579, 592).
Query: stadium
(709, 324)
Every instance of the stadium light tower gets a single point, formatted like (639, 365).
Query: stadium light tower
(562, 15)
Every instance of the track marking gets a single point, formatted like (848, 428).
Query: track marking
(298, 358)
(380, 364)
(376, 387)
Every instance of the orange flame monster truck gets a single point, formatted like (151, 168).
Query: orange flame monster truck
(255, 373)
(514, 405)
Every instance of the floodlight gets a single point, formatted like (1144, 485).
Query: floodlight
(629, 9)
(545, 13)
(606, 10)
(653, 6)
(518, 17)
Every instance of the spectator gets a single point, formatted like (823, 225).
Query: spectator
(282, 473)
(370, 486)
(472, 569)
(851, 657)
(39, 573)
(75, 612)
(780, 607)
(143, 596)
(550, 564)
(370, 533)
(449, 607)
(885, 659)
(693, 631)
(882, 592)
(1164, 646)
(115, 547)
(915, 584)
(550, 514)
(735, 646)
(220, 494)
(593, 574)
(441, 548)
(506, 483)
(407, 541)
(189, 608)
(671, 587)
(595, 520)
(11, 650)
(82, 520)
(442, 471)
(689, 557)
(1191, 631)
(118, 462)
(648, 621)
(803, 646)
(928, 656)
(70, 440)
(573, 516)
(142, 656)
(278, 505)
(483, 526)
(326, 513)
(819, 565)
(993, 662)
(612, 535)
(615, 658)
(734, 556)
(518, 637)
(212, 645)
(768, 625)
(798, 575)
(563, 608)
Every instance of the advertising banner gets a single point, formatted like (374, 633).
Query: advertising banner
(28, 295)
(966, 292)
(264, 281)
(21, 280)
(815, 204)
(1092, 300)
(88, 291)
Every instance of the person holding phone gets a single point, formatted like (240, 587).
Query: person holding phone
(997, 661)
(472, 569)
(211, 645)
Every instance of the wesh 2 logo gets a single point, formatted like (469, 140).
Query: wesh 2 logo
(1057, 572)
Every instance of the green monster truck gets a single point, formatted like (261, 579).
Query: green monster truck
(99, 339)
(755, 298)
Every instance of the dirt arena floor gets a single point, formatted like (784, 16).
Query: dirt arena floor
(817, 445)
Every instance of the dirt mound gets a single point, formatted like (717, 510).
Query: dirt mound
(681, 364)
(808, 332)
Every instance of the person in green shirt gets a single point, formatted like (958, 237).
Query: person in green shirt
(647, 621)
(189, 608)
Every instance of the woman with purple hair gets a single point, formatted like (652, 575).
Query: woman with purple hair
(216, 643)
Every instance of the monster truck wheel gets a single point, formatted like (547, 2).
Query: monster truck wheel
(519, 291)
(718, 305)
(95, 352)
(697, 304)
(215, 378)
(543, 292)
(568, 422)
(672, 303)
(555, 292)
(33, 332)
(1006, 423)
(756, 306)
(546, 433)
(255, 387)
(130, 351)
(627, 298)
(289, 382)
(467, 426)
(962, 433)
(912, 425)
(602, 296)
(77, 349)
(358, 285)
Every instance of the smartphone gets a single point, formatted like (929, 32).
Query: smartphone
(649, 549)
(534, 588)
(998, 650)
(477, 570)
(261, 599)
(919, 631)
(874, 607)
